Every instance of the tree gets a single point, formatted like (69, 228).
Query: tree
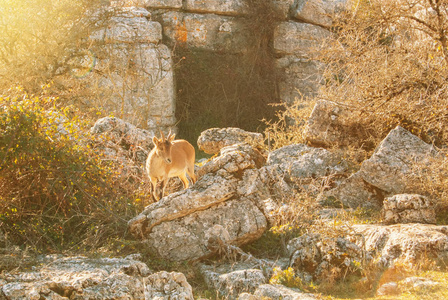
(38, 37)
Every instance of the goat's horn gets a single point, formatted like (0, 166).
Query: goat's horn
(161, 134)
(169, 135)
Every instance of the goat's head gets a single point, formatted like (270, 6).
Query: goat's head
(163, 146)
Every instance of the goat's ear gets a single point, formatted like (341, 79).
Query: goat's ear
(155, 141)
(172, 136)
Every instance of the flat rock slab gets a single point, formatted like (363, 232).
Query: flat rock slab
(302, 161)
(205, 31)
(129, 25)
(212, 140)
(102, 278)
(277, 291)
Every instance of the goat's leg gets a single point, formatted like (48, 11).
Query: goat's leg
(153, 191)
(164, 184)
(185, 181)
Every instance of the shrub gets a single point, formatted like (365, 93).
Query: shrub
(389, 64)
(55, 191)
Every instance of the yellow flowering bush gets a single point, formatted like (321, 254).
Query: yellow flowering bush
(55, 191)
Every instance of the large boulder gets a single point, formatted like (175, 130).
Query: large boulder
(410, 244)
(408, 208)
(102, 278)
(329, 124)
(386, 172)
(300, 161)
(118, 139)
(225, 206)
(212, 140)
(391, 165)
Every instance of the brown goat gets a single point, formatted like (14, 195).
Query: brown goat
(170, 158)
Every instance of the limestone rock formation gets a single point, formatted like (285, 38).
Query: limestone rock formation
(223, 207)
(302, 78)
(319, 256)
(354, 192)
(319, 12)
(408, 208)
(118, 139)
(230, 7)
(103, 278)
(127, 71)
(386, 172)
(327, 125)
(233, 283)
(393, 160)
(205, 31)
(164, 285)
(300, 39)
(405, 243)
(212, 140)
(276, 291)
(302, 161)
(157, 4)
(129, 24)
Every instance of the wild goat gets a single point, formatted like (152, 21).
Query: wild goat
(170, 158)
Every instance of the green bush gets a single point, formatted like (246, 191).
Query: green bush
(56, 192)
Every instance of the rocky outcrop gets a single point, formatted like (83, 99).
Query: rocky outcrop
(122, 141)
(302, 161)
(277, 291)
(127, 71)
(317, 11)
(328, 125)
(405, 243)
(299, 39)
(315, 256)
(211, 141)
(232, 283)
(408, 208)
(223, 207)
(386, 172)
(297, 45)
(205, 31)
(85, 278)
(390, 166)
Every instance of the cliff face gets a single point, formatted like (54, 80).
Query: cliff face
(131, 66)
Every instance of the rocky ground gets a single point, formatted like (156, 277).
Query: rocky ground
(239, 195)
